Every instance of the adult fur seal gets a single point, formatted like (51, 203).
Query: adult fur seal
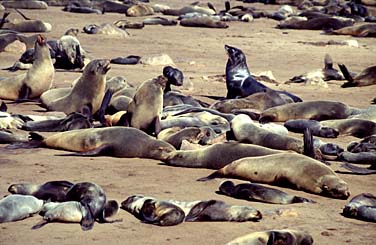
(362, 206)
(216, 156)
(203, 21)
(153, 211)
(299, 125)
(259, 193)
(112, 141)
(88, 92)
(274, 237)
(315, 110)
(362, 30)
(17, 207)
(36, 81)
(93, 198)
(365, 78)
(290, 169)
(54, 191)
(239, 81)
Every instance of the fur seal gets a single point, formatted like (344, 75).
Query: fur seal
(319, 23)
(317, 129)
(292, 169)
(22, 4)
(139, 10)
(244, 130)
(216, 156)
(352, 126)
(36, 81)
(362, 30)
(367, 144)
(286, 236)
(259, 193)
(88, 92)
(93, 199)
(239, 81)
(315, 110)
(188, 9)
(192, 134)
(112, 141)
(153, 211)
(10, 138)
(365, 78)
(362, 206)
(359, 158)
(260, 101)
(203, 21)
(54, 191)
(17, 207)
(110, 30)
(144, 110)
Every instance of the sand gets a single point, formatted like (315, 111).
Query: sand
(199, 53)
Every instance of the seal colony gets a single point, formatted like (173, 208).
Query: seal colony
(152, 106)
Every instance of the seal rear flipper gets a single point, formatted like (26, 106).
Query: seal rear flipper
(103, 150)
(35, 141)
(102, 110)
(196, 212)
(358, 170)
(345, 73)
(309, 149)
(24, 93)
(214, 175)
(40, 224)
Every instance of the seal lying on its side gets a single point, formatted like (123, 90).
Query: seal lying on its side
(289, 169)
(274, 237)
(260, 193)
(362, 206)
(17, 207)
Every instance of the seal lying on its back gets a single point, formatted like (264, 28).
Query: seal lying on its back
(54, 191)
(260, 193)
(17, 207)
(238, 78)
(36, 81)
(274, 237)
(290, 169)
(362, 206)
(112, 141)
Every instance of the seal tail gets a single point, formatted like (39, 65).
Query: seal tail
(216, 174)
(358, 170)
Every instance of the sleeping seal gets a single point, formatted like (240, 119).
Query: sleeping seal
(291, 169)
(274, 237)
(17, 207)
(362, 206)
(239, 81)
(259, 193)
(365, 78)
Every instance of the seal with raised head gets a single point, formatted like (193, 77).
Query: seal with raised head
(17, 207)
(88, 92)
(216, 156)
(362, 206)
(274, 237)
(239, 81)
(54, 191)
(37, 80)
(153, 211)
(291, 169)
(259, 193)
(111, 141)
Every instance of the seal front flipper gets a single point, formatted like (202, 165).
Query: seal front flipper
(358, 170)
(87, 221)
(197, 211)
(103, 150)
(102, 110)
(40, 224)
(347, 76)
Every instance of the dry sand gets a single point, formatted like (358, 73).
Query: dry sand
(198, 52)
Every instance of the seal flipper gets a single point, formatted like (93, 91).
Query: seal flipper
(40, 224)
(347, 76)
(196, 213)
(3, 107)
(103, 150)
(309, 149)
(358, 170)
(297, 199)
(216, 174)
(102, 110)
(35, 141)
(87, 221)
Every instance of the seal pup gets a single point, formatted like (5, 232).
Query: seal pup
(316, 110)
(145, 109)
(362, 30)
(111, 141)
(291, 169)
(367, 144)
(216, 156)
(87, 94)
(259, 193)
(317, 129)
(153, 211)
(239, 81)
(365, 78)
(362, 207)
(286, 236)
(17, 207)
(109, 30)
(37, 80)
(54, 191)
(93, 199)
(352, 126)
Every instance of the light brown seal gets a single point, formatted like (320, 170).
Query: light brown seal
(365, 78)
(363, 30)
(138, 10)
(36, 81)
(292, 169)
